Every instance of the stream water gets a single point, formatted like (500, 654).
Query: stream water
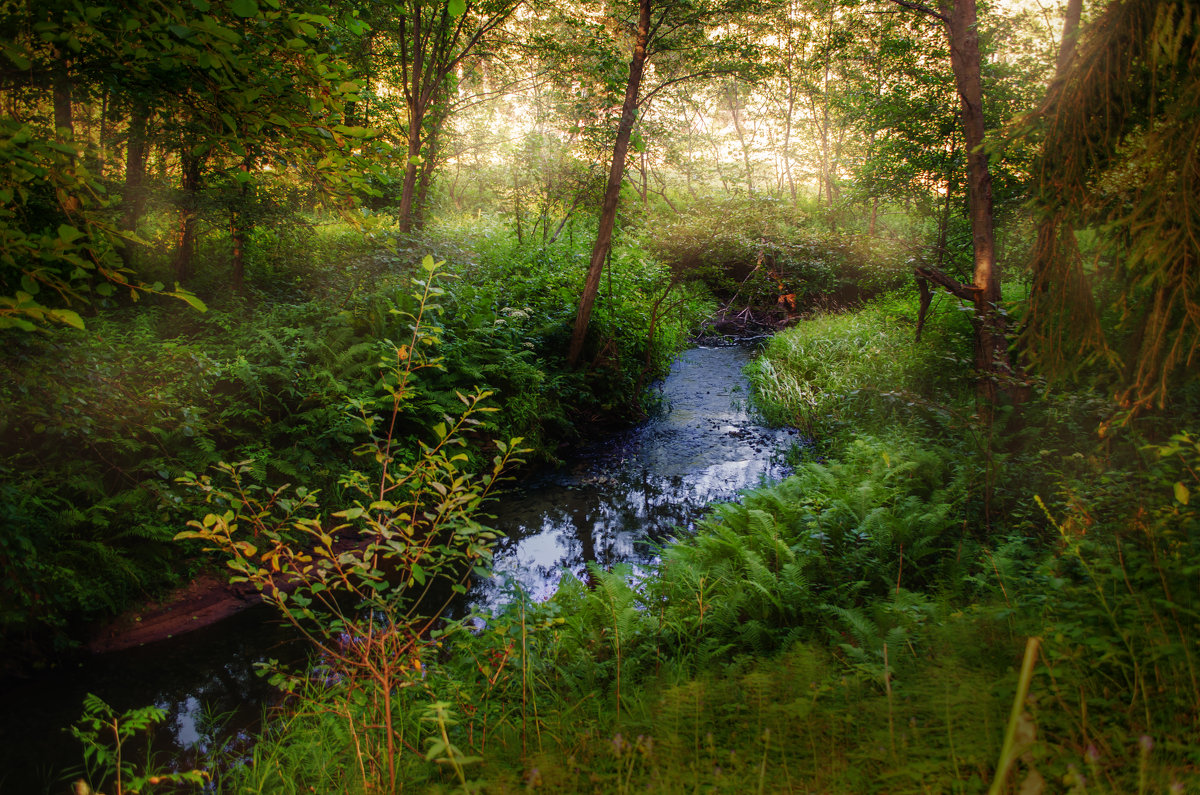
(616, 501)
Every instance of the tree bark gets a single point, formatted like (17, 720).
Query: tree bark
(133, 199)
(1066, 47)
(731, 95)
(991, 343)
(239, 227)
(612, 191)
(417, 77)
(185, 240)
(1050, 294)
(992, 362)
(420, 207)
(64, 120)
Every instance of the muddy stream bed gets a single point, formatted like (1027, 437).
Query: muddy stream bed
(613, 502)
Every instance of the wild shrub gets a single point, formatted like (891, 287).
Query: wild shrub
(762, 251)
(99, 423)
(833, 536)
(367, 592)
(1120, 612)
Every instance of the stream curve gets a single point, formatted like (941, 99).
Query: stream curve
(614, 502)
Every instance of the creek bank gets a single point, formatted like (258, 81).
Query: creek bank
(204, 601)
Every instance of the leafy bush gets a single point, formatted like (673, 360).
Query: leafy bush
(367, 592)
(765, 251)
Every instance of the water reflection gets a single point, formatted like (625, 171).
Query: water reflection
(652, 483)
(206, 682)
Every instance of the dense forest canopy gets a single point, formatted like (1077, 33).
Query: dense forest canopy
(282, 258)
(227, 116)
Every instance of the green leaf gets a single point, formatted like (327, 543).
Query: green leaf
(1182, 494)
(66, 316)
(244, 8)
(456, 7)
(68, 234)
(188, 298)
(16, 322)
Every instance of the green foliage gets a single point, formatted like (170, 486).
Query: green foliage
(367, 592)
(226, 88)
(826, 541)
(856, 627)
(99, 424)
(1128, 182)
(107, 736)
(511, 316)
(764, 252)
(860, 366)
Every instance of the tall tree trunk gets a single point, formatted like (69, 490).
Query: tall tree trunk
(1053, 293)
(991, 344)
(992, 362)
(732, 97)
(98, 164)
(943, 231)
(239, 227)
(517, 207)
(612, 191)
(133, 198)
(420, 209)
(185, 238)
(412, 24)
(787, 135)
(408, 191)
(1066, 47)
(64, 120)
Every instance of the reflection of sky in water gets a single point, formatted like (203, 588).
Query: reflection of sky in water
(205, 681)
(702, 447)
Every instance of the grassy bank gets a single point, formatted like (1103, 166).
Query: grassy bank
(862, 626)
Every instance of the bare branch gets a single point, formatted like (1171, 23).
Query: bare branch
(666, 84)
(966, 292)
(923, 9)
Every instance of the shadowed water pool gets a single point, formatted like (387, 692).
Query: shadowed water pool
(614, 502)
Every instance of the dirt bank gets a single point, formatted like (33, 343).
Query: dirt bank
(202, 602)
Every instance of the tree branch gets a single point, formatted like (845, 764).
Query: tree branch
(966, 292)
(704, 73)
(924, 9)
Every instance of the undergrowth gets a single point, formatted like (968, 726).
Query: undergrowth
(857, 627)
(98, 424)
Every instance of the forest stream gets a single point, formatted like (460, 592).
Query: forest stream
(613, 502)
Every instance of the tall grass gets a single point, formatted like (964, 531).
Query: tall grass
(856, 366)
